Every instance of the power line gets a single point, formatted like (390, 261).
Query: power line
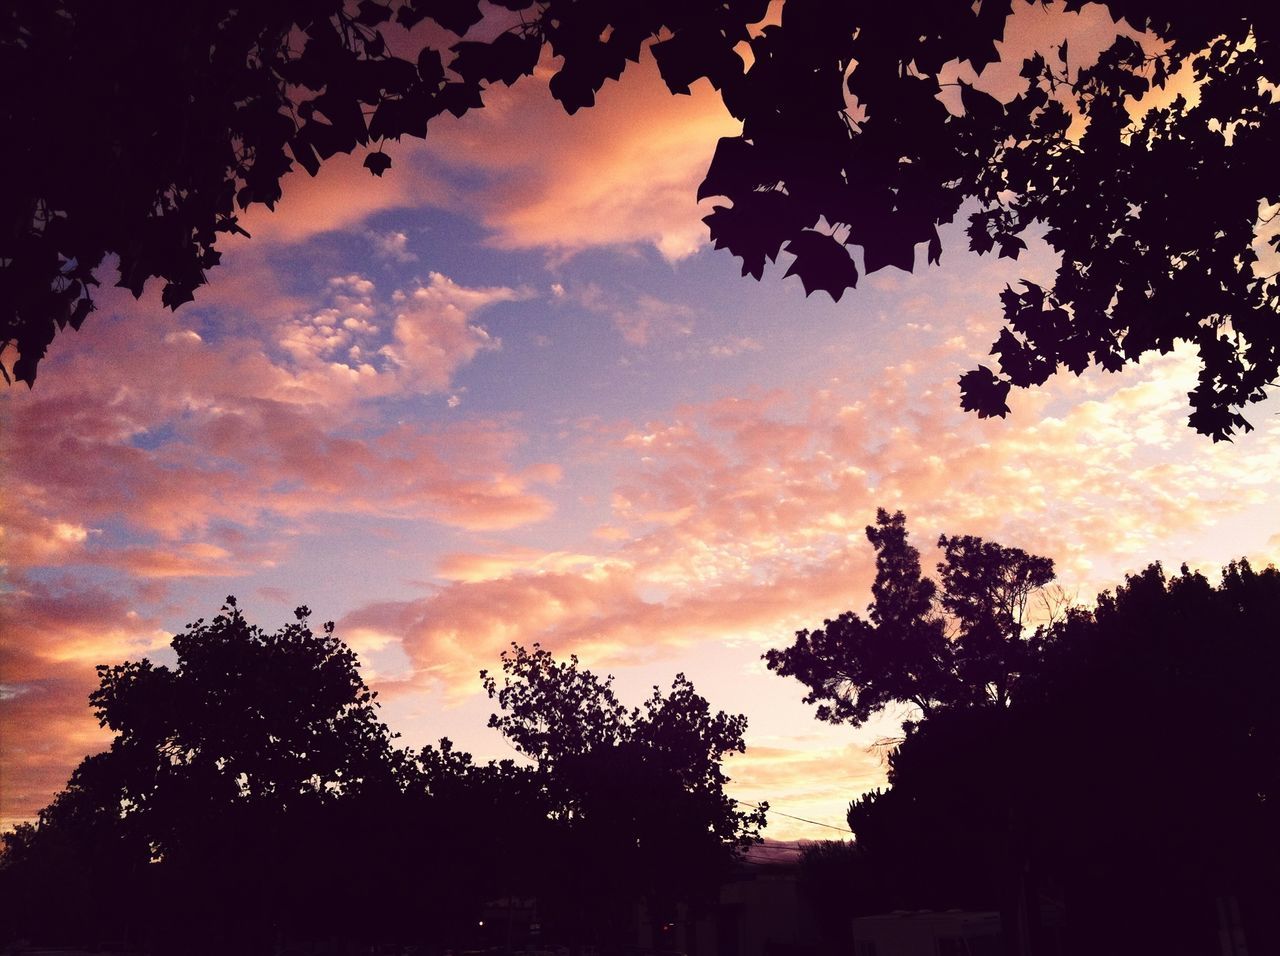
(791, 816)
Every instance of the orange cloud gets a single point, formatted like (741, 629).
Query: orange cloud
(343, 195)
(53, 638)
(233, 431)
(622, 173)
(737, 521)
(800, 779)
(434, 334)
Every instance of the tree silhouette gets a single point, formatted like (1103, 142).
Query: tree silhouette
(223, 772)
(254, 800)
(1082, 793)
(247, 714)
(76, 874)
(633, 791)
(846, 145)
(960, 644)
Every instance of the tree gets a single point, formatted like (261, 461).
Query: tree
(1154, 216)
(223, 774)
(1190, 667)
(934, 648)
(75, 875)
(248, 714)
(1082, 793)
(638, 795)
(846, 145)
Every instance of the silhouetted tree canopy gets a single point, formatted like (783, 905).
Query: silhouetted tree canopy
(141, 130)
(242, 794)
(638, 793)
(252, 799)
(1132, 782)
(957, 642)
(247, 714)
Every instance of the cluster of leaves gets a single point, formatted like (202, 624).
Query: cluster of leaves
(636, 787)
(954, 643)
(846, 145)
(252, 790)
(1084, 791)
(247, 714)
(141, 130)
(1155, 216)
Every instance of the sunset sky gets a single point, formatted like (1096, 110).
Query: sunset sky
(509, 393)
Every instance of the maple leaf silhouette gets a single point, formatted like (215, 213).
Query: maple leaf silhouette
(822, 263)
(982, 392)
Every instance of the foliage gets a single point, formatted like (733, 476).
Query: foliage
(247, 714)
(936, 645)
(846, 146)
(75, 873)
(1134, 779)
(142, 130)
(251, 791)
(223, 770)
(1154, 215)
(632, 790)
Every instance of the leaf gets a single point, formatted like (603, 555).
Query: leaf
(456, 16)
(982, 107)
(731, 171)
(304, 154)
(175, 294)
(756, 226)
(346, 117)
(371, 13)
(457, 98)
(692, 54)
(505, 60)
(982, 392)
(392, 119)
(409, 16)
(80, 313)
(572, 90)
(377, 163)
(1010, 246)
(1032, 67)
(889, 245)
(430, 68)
(822, 262)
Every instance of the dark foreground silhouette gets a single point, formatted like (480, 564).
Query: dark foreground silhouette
(141, 130)
(1103, 783)
(1111, 784)
(253, 800)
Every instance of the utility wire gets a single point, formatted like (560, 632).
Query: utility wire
(790, 816)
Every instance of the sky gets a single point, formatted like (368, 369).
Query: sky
(508, 392)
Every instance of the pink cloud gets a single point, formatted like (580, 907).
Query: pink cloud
(433, 332)
(738, 520)
(248, 428)
(343, 195)
(622, 173)
(54, 637)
